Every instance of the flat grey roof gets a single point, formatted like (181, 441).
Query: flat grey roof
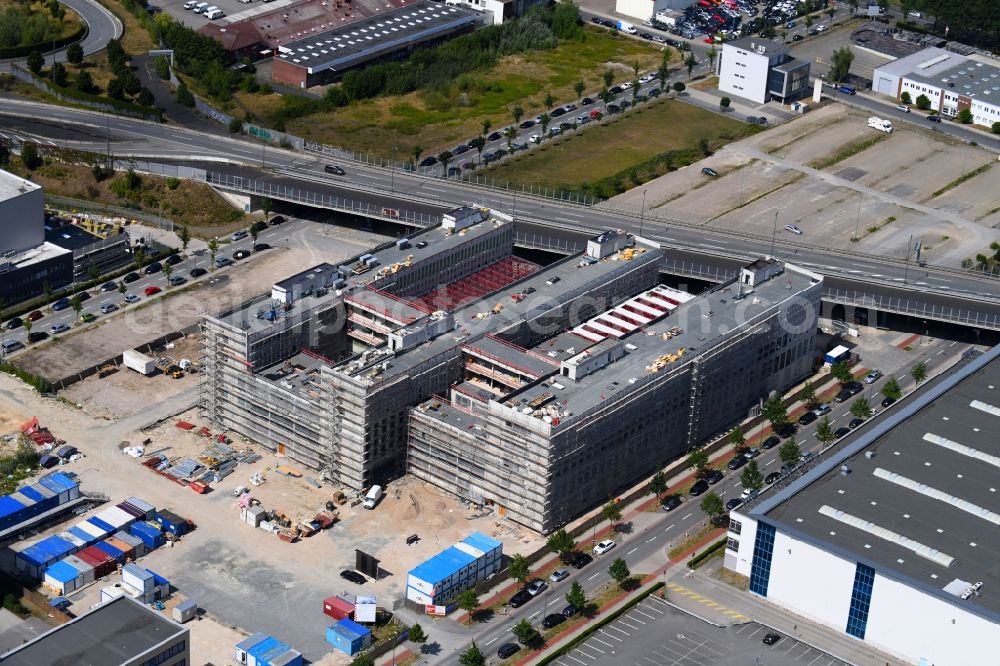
(70, 237)
(302, 378)
(517, 358)
(968, 78)
(753, 43)
(14, 186)
(934, 479)
(113, 633)
(908, 65)
(368, 38)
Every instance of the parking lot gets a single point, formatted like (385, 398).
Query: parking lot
(656, 633)
(817, 173)
(231, 9)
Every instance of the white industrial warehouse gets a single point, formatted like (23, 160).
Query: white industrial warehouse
(893, 538)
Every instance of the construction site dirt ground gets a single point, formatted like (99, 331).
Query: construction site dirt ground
(183, 307)
(813, 172)
(243, 577)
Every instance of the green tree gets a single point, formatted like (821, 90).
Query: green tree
(235, 126)
(824, 431)
(809, 394)
(790, 453)
(145, 98)
(605, 95)
(167, 270)
(549, 101)
(27, 331)
(519, 568)
(417, 634)
(184, 235)
(918, 372)
(184, 96)
(923, 102)
(524, 632)
(774, 411)
(679, 86)
(658, 484)
(842, 372)
(663, 71)
(830, 11)
(619, 571)
(751, 478)
(964, 116)
(363, 660)
(84, 81)
(713, 506)
(265, 205)
(35, 61)
(578, 88)
(905, 97)
(809, 21)
(29, 156)
(861, 408)
(840, 63)
(698, 461)
(213, 247)
(48, 291)
(444, 157)
(139, 256)
(468, 600)
(162, 67)
(545, 125)
(561, 543)
(891, 389)
(487, 125)
(611, 512)
(738, 441)
(510, 134)
(906, 6)
(608, 77)
(725, 102)
(517, 113)
(712, 55)
(416, 152)
(479, 143)
(473, 656)
(74, 53)
(635, 90)
(690, 61)
(93, 272)
(122, 288)
(995, 127)
(76, 302)
(576, 595)
(59, 75)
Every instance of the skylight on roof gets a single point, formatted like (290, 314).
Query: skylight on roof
(939, 495)
(868, 526)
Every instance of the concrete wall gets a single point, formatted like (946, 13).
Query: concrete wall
(22, 221)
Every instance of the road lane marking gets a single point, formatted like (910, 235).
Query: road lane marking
(651, 540)
(669, 527)
(632, 551)
(687, 516)
(534, 614)
(492, 640)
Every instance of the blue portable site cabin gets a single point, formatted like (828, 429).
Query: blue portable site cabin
(349, 637)
(453, 570)
(171, 522)
(44, 498)
(116, 553)
(12, 512)
(264, 650)
(62, 577)
(151, 537)
(107, 528)
(64, 487)
(34, 559)
(86, 537)
(161, 586)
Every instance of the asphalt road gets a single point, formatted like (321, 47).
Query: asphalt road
(102, 27)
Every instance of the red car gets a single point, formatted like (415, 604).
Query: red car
(35, 315)
(595, 114)
(708, 40)
(149, 291)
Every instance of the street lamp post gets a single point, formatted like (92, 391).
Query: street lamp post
(392, 170)
(774, 232)
(857, 224)
(642, 212)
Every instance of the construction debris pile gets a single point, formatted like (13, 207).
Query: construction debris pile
(274, 521)
(217, 461)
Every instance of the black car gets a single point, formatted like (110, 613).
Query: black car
(337, 171)
(508, 650)
(173, 259)
(495, 136)
(770, 442)
(737, 462)
(61, 304)
(586, 101)
(260, 247)
(613, 108)
(520, 599)
(699, 488)
(109, 286)
(771, 639)
(352, 576)
(855, 423)
(581, 560)
(197, 272)
(785, 430)
(615, 90)
(595, 20)
(840, 432)
(709, 171)
(670, 503)
(654, 92)
(460, 149)
(771, 478)
(733, 503)
(553, 620)
(131, 277)
(428, 161)
(888, 401)
(277, 219)
(797, 38)
(16, 322)
(241, 254)
(37, 336)
(557, 112)
(714, 476)
(569, 611)
(934, 119)
(527, 124)
(807, 418)
(84, 296)
(842, 395)
(154, 267)
(646, 35)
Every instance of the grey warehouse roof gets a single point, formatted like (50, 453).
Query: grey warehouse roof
(366, 39)
(113, 633)
(933, 61)
(13, 186)
(926, 505)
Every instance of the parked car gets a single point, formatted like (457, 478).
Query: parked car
(586, 101)
(733, 503)
(770, 442)
(888, 401)
(738, 462)
(553, 620)
(175, 259)
(222, 262)
(709, 171)
(536, 587)
(604, 546)
(108, 308)
(150, 290)
(581, 560)
(771, 639)
(152, 268)
(670, 502)
(238, 235)
(771, 478)
(751, 453)
(35, 315)
(197, 272)
(131, 298)
(873, 376)
(785, 430)
(519, 599)
(807, 418)
(495, 136)
(822, 409)
(58, 328)
(569, 611)
(16, 322)
(276, 220)
(109, 286)
(61, 304)
(37, 336)
(352, 576)
(88, 317)
(934, 119)
(713, 476)
(840, 432)
(131, 277)
(793, 229)
(428, 161)
(177, 280)
(241, 254)
(699, 488)
(854, 423)
(558, 575)
(508, 650)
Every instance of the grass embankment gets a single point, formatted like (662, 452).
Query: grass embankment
(629, 150)
(439, 118)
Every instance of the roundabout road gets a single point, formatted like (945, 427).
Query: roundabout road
(103, 26)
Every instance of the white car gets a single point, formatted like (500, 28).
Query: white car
(820, 28)
(535, 138)
(873, 376)
(794, 229)
(558, 575)
(131, 298)
(604, 546)
(626, 85)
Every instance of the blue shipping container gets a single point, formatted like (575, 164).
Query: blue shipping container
(59, 546)
(111, 550)
(348, 637)
(32, 494)
(82, 535)
(103, 526)
(171, 522)
(152, 537)
(10, 511)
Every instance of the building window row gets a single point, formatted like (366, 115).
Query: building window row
(861, 599)
(736, 527)
(733, 545)
(760, 567)
(171, 651)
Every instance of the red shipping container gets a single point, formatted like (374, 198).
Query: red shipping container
(338, 608)
(103, 563)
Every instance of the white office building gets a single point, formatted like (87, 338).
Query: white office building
(644, 10)
(891, 535)
(951, 81)
(761, 71)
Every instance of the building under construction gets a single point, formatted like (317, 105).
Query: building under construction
(341, 366)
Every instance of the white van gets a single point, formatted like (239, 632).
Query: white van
(373, 496)
(212, 14)
(190, 4)
(200, 7)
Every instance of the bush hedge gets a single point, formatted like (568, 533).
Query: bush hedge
(39, 382)
(697, 560)
(14, 52)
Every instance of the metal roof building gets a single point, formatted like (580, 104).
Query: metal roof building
(902, 522)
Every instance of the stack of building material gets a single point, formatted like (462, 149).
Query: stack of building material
(253, 516)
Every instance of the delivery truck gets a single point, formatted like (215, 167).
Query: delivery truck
(880, 124)
(626, 27)
(139, 362)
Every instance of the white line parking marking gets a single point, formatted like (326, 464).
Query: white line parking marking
(575, 659)
(655, 610)
(644, 614)
(580, 651)
(611, 626)
(630, 626)
(594, 647)
(602, 642)
(594, 576)
(687, 516)
(635, 619)
(610, 636)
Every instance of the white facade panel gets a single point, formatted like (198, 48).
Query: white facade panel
(811, 581)
(640, 9)
(915, 626)
(748, 534)
(743, 73)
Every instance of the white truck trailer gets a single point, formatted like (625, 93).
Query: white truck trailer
(139, 362)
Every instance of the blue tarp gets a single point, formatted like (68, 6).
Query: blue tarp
(62, 572)
(442, 566)
(103, 526)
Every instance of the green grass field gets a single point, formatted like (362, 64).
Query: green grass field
(438, 119)
(626, 144)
